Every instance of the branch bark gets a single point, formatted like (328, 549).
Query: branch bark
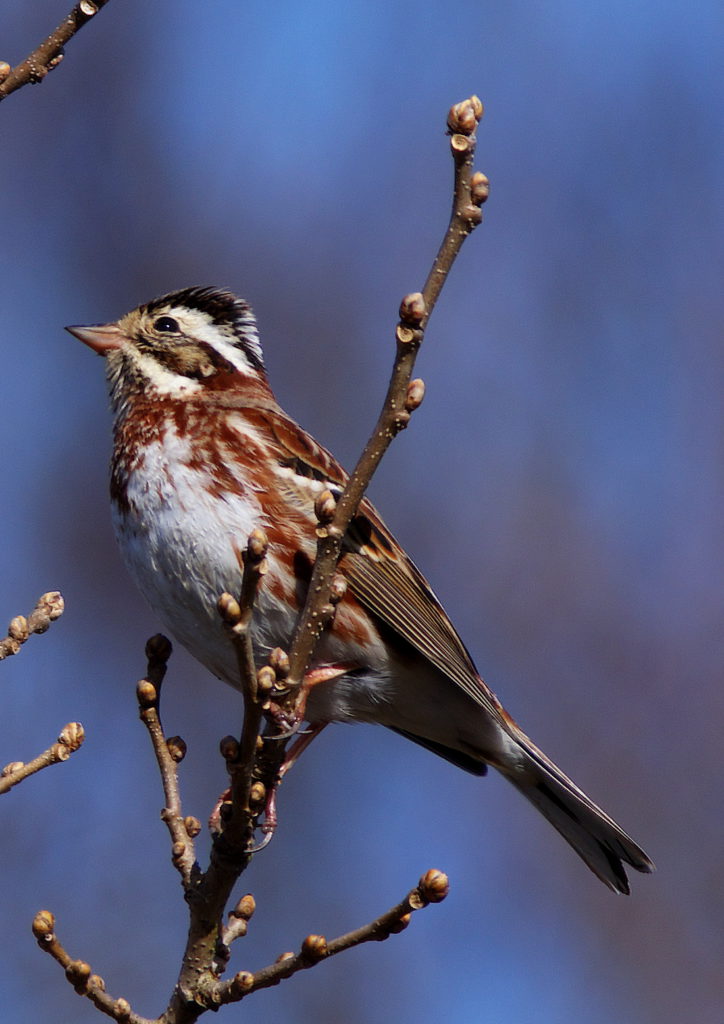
(403, 395)
(50, 52)
(49, 608)
(69, 740)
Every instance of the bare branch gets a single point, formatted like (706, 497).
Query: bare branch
(403, 394)
(433, 887)
(238, 617)
(80, 976)
(169, 754)
(69, 740)
(49, 608)
(254, 764)
(50, 52)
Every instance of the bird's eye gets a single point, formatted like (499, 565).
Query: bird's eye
(166, 324)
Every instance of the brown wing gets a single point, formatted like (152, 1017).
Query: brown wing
(391, 586)
(382, 577)
(306, 457)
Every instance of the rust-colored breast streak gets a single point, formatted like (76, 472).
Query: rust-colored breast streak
(142, 425)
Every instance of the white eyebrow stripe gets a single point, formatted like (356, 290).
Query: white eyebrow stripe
(198, 326)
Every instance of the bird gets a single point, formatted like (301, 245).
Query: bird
(203, 455)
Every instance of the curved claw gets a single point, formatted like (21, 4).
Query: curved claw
(265, 840)
(294, 730)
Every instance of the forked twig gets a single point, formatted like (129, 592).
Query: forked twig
(210, 994)
(433, 887)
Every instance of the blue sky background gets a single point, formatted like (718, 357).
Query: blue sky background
(562, 486)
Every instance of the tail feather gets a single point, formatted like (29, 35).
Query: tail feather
(595, 837)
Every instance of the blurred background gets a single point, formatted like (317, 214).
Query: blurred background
(562, 486)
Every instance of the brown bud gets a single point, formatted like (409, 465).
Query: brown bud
(229, 609)
(11, 768)
(325, 507)
(413, 309)
(178, 850)
(284, 956)
(257, 544)
(146, 694)
(338, 589)
(434, 886)
(176, 746)
(72, 735)
(266, 678)
(88, 8)
(400, 924)
(479, 188)
(95, 981)
(18, 628)
(5, 70)
(245, 908)
(242, 983)
(53, 604)
(229, 748)
(464, 116)
(415, 394)
(257, 794)
(158, 648)
(44, 926)
(192, 826)
(279, 662)
(121, 1010)
(314, 947)
(78, 972)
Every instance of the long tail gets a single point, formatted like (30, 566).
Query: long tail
(595, 837)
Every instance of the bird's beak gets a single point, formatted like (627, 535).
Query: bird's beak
(102, 338)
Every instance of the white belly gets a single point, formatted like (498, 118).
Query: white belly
(180, 542)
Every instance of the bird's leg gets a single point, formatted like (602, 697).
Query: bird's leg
(289, 721)
(291, 757)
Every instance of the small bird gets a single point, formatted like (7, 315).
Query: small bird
(203, 455)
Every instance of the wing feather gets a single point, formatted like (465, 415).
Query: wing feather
(380, 575)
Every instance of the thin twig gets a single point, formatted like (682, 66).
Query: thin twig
(238, 617)
(49, 608)
(80, 976)
(403, 394)
(433, 887)
(50, 52)
(169, 753)
(69, 740)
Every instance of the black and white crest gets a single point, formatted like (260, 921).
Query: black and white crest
(225, 310)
